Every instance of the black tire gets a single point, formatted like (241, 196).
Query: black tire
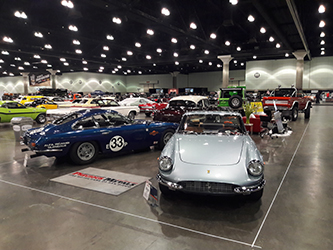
(165, 138)
(41, 118)
(294, 114)
(307, 112)
(165, 190)
(256, 196)
(148, 114)
(84, 152)
(131, 115)
(235, 102)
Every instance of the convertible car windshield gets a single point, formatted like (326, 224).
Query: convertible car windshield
(211, 124)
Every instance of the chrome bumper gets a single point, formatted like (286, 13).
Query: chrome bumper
(169, 184)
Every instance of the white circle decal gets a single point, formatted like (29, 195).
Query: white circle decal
(116, 143)
(16, 128)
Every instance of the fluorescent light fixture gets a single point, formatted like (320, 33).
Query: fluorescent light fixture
(66, 63)
(174, 40)
(85, 69)
(119, 67)
(177, 63)
(159, 50)
(148, 57)
(67, 4)
(63, 59)
(72, 28)
(138, 45)
(38, 34)
(84, 62)
(47, 46)
(17, 59)
(124, 59)
(150, 32)
(103, 55)
(37, 56)
(227, 43)
(78, 51)
(106, 48)
(129, 53)
(206, 52)
(76, 42)
(192, 46)
(20, 68)
(116, 20)
(175, 54)
(26, 63)
(44, 61)
(7, 39)
(20, 14)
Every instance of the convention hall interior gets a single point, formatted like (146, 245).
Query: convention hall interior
(138, 48)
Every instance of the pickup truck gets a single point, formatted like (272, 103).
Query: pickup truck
(289, 101)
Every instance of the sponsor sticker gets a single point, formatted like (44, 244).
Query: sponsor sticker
(57, 145)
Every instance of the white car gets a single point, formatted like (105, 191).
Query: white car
(135, 101)
(129, 111)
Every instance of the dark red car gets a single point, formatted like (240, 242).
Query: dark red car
(179, 105)
(149, 108)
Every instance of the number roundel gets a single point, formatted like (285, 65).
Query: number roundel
(117, 143)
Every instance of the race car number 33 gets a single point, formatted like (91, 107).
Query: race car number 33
(117, 143)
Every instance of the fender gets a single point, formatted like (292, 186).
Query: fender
(294, 103)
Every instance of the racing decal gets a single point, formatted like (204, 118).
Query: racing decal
(117, 143)
(57, 145)
(153, 133)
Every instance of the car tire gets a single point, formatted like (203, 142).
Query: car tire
(84, 152)
(41, 118)
(148, 114)
(235, 102)
(307, 112)
(165, 138)
(256, 196)
(294, 114)
(165, 190)
(131, 115)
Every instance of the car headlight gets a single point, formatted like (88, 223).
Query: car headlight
(165, 163)
(255, 168)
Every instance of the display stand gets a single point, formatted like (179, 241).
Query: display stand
(249, 127)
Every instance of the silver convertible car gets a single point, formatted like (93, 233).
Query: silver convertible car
(211, 153)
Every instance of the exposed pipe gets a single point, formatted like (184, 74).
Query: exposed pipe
(294, 14)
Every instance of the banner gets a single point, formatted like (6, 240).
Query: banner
(39, 79)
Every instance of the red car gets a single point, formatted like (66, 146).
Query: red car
(149, 108)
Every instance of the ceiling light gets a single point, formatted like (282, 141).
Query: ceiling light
(125, 73)
(210, 63)
(254, 57)
(119, 67)
(85, 69)
(12, 65)
(322, 53)
(44, 61)
(101, 67)
(66, 63)
(17, 59)
(165, 12)
(219, 65)
(278, 45)
(113, 72)
(138, 45)
(227, 43)
(206, 52)
(322, 34)
(128, 71)
(271, 39)
(76, 42)
(239, 49)
(49, 66)
(63, 59)
(193, 26)
(7, 39)
(235, 61)
(150, 32)
(192, 46)
(130, 53)
(35, 67)
(154, 64)
(84, 62)
(123, 59)
(5, 52)
(2, 61)
(5, 73)
(72, 28)
(322, 42)
(38, 34)
(47, 46)
(286, 55)
(174, 40)
(116, 69)
(233, 2)
(262, 30)
(37, 56)
(322, 24)
(177, 63)
(140, 72)
(20, 14)
(11, 74)
(242, 64)
(200, 61)
(100, 70)
(20, 68)
(103, 55)
(321, 9)
(159, 50)
(109, 37)
(67, 4)
(106, 48)
(213, 36)
(322, 48)
(116, 20)
(175, 54)
(250, 18)
(78, 51)
(26, 63)
(148, 57)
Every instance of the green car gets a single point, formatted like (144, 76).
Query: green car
(10, 109)
(233, 97)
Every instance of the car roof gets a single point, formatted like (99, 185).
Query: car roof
(212, 112)
(193, 98)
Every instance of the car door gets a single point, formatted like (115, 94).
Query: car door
(14, 109)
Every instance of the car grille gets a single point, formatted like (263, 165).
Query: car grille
(207, 187)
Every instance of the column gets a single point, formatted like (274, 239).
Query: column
(225, 75)
(299, 54)
(174, 79)
(25, 83)
(53, 79)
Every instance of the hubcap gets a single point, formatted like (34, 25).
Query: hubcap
(167, 137)
(235, 102)
(86, 151)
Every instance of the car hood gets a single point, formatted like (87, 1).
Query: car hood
(211, 149)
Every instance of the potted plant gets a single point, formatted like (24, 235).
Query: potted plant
(249, 109)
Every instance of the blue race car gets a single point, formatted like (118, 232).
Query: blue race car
(83, 134)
